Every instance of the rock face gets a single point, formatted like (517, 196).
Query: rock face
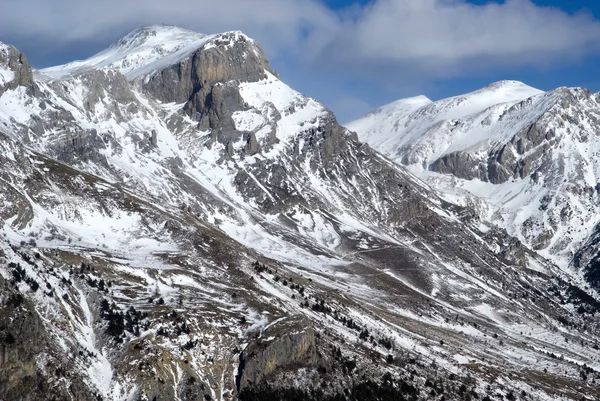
(462, 165)
(529, 152)
(588, 259)
(284, 346)
(14, 69)
(100, 83)
(177, 220)
(198, 81)
(31, 367)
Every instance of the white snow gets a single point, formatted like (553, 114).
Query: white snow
(417, 132)
(248, 120)
(307, 241)
(6, 75)
(141, 52)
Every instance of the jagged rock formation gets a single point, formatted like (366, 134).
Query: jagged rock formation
(186, 226)
(15, 69)
(198, 81)
(283, 346)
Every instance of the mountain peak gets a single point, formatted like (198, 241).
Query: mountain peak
(156, 35)
(506, 83)
(507, 87)
(6, 50)
(402, 106)
(402, 124)
(145, 50)
(215, 198)
(494, 94)
(415, 100)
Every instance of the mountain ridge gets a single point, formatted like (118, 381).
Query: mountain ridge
(516, 148)
(144, 50)
(411, 125)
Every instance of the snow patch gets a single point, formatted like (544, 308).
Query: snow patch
(6, 75)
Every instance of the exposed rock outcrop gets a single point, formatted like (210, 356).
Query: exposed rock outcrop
(31, 367)
(201, 81)
(14, 69)
(162, 243)
(286, 345)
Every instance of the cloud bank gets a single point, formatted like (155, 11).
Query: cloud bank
(436, 37)
(450, 37)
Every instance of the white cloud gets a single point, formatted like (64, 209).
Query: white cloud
(438, 38)
(445, 36)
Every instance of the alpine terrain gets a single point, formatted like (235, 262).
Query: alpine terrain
(179, 224)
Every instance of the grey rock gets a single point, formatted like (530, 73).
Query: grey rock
(167, 361)
(215, 109)
(100, 82)
(460, 164)
(289, 343)
(252, 146)
(193, 80)
(29, 359)
(17, 63)
(527, 153)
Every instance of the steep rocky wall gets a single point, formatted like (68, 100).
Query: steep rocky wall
(197, 80)
(526, 153)
(30, 367)
(17, 64)
(288, 344)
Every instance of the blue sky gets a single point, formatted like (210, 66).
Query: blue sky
(351, 55)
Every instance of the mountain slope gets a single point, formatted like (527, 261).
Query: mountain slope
(532, 162)
(193, 228)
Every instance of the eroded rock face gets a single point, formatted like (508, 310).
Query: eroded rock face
(532, 151)
(519, 158)
(288, 344)
(201, 80)
(84, 145)
(588, 259)
(100, 82)
(187, 345)
(14, 69)
(461, 164)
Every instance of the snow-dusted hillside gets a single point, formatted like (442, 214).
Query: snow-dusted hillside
(527, 159)
(178, 223)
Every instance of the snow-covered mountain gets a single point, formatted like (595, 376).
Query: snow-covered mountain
(527, 159)
(419, 131)
(178, 223)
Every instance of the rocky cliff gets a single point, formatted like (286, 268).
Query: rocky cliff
(15, 69)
